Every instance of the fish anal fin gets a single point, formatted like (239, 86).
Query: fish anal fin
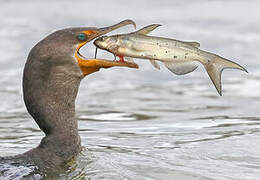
(155, 64)
(194, 44)
(180, 67)
(147, 29)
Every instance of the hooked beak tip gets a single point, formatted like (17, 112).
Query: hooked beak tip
(116, 26)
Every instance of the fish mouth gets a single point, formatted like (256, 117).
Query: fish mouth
(90, 65)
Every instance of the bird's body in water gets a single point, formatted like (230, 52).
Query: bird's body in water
(179, 57)
(51, 78)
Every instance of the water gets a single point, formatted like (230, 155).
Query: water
(145, 124)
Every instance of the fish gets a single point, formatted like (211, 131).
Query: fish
(180, 57)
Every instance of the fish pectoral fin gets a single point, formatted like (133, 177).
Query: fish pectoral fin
(147, 29)
(155, 64)
(194, 44)
(152, 61)
(180, 68)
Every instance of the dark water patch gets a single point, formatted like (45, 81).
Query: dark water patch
(234, 124)
(228, 117)
(254, 131)
(86, 130)
(250, 166)
(218, 137)
(23, 116)
(155, 99)
(229, 133)
(162, 110)
(210, 107)
(115, 116)
(120, 149)
(182, 108)
(210, 96)
(20, 129)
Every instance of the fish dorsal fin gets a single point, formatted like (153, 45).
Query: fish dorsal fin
(155, 64)
(147, 29)
(180, 68)
(195, 44)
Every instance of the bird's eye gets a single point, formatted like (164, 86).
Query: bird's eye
(82, 37)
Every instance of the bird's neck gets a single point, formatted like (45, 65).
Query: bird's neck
(51, 102)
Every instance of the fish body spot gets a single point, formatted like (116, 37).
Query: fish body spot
(174, 56)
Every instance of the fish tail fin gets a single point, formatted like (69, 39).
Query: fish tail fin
(214, 68)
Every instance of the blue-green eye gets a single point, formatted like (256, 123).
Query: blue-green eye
(82, 37)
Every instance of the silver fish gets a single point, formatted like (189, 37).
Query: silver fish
(179, 57)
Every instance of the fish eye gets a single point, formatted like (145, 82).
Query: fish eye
(102, 38)
(82, 37)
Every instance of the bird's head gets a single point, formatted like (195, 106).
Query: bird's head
(61, 49)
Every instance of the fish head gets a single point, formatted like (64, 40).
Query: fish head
(102, 42)
(109, 43)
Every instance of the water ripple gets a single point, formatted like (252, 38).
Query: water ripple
(115, 116)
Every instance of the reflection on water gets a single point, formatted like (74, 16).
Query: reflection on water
(145, 124)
